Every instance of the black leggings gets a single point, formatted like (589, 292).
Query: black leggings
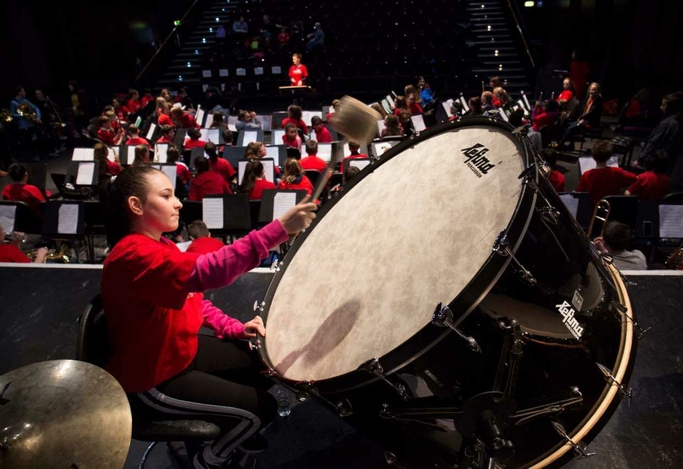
(222, 385)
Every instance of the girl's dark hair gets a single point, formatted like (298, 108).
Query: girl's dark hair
(475, 105)
(16, 172)
(253, 170)
(294, 111)
(132, 182)
(172, 154)
(201, 164)
(674, 105)
(210, 149)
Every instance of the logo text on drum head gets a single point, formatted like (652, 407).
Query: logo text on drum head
(569, 320)
(476, 160)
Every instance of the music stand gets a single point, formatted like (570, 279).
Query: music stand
(233, 154)
(360, 163)
(297, 93)
(236, 214)
(277, 119)
(247, 136)
(19, 216)
(64, 219)
(268, 212)
(83, 173)
(277, 153)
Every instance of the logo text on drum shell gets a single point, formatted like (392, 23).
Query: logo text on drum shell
(569, 320)
(476, 159)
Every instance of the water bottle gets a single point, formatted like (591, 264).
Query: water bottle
(282, 397)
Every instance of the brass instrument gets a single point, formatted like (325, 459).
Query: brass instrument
(26, 111)
(54, 256)
(600, 212)
(6, 116)
(675, 260)
(60, 122)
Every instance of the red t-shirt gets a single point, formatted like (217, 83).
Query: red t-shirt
(152, 320)
(650, 186)
(133, 105)
(164, 139)
(323, 136)
(106, 136)
(205, 245)
(298, 122)
(208, 183)
(296, 143)
(297, 74)
(113, 168)
(566, 95)
(189, 144)
(305, 184)
(164, 119)
(183, 173)
(313, 162)
(543, 119)
(10, 253)
(556, 178)
(224, 168)
(138, 141)
(186, 121)
(259, 186)
(352, 157)
(23, 193)
(415, 109)
(600, 182)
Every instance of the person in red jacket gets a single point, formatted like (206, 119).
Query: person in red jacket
(135, 138)
(322, 135)
(567, 92)
(202, 242)
(164, 117)
(133, 102)
(183, 119)
(207, 182)
(19, 190)
(254, 181)
(312, 161)
(654, 183)
(604, 180)
(294, 114)
(151, 296)
(298, 73)
(294, 177)
(193, 140)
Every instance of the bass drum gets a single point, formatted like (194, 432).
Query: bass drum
(449, 306)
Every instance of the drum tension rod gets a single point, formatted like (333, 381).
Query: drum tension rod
(610, 260)
(609, 377)
(525, 415)
(373, 366)
(510, 358)
(304, 389)
(443, 317)
(579, 448)
(619, 308)
(502, 247)
(392, 460)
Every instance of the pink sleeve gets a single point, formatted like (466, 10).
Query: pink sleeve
(223, 325)
(220, 268)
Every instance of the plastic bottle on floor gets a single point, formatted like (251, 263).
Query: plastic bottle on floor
(283, 405)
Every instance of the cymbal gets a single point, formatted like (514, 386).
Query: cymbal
(63, 414)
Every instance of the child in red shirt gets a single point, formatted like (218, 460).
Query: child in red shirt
(294, 114)
(207, 182)
(254, 181)
(291, 137)
(154, 313)
(19, 190)
(555, 177)
(652, 184)
(135, 138)
(604, 180)
(10, 252)
(167, 134)
(354, 148)
(194, 140)
(312, 161)
(202, 242)
(294, 177)
(322, 135)
(219, 165)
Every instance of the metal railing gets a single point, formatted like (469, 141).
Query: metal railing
(516, 19)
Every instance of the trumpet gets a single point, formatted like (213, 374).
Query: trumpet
(601, 213)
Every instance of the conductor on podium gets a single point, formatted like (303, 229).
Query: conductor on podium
(298, 73)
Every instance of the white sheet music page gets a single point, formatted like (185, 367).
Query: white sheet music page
(418, 123)
(212, 212)
(380, 127)
(274, 153)
(77, 155)
(571, 202)
(447, 107)
(131, 154)
(150, 132)
(113, 154)
(241, 167)
(465, 107)
(325, 151)
(250, 136)
(86, 171)
(360, 164)
(671, 221)
(269, 170)
(161, 153)
(587, 162)
(276, 137)
(199, 117)
(170, 170)
(8, 214)
(282, 202)
(67, 220)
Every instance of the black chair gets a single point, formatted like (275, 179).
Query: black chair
(254, 210)
(93, 347)
(312, 175)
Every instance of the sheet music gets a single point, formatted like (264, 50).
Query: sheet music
(206, 73)
(170, 170)
(325, 151)
(526, 101)
(390, 99)
(571, 202)
(266, 122)
(276, 137)
(130, 154)
(232, 127)
(212, 212)
(418, 123)
(308, 115)
(447, 107)
(8, 215)
(241, 167)
(671, 221)
(150, 132)
(112, 155)
(274, 153)
(381, 147)
(359, 163)
(380, 128)
(223, 72)
(67, 220)
(205, 87)
(503, 114)
(282, 202)
(86, 171)
(83, 154)
(250, 136)
(241, 72)
(269, 170)
(258, 71)
(276, 70)
(465, 107)
(210, 135)
(587, 162)
(385, 106)
(199, 117)
(160, 152)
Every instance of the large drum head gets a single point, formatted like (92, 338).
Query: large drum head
(409, 235)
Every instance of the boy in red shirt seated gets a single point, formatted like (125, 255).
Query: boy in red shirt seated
(194, 140)
(652, 184)
(182, 119)
(294, 177)
(10, 252)
(167, 134)
(291, 137)
(312, 161)
(207, 182)
(202, 242)
(604, 180)
(106, 133)
(555, 177)
(322, 135)
(135, 138)
(19, 190)
(354, 148)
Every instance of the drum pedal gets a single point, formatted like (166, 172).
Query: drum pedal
(609, 377)
(580, 449)
(443, 317)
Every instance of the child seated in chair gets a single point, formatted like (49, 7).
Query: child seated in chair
(604, 180)
(614, 242)
(654, 183)
(20, 190)
(202, 242)
(312, 161)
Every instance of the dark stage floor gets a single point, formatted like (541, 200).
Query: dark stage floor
(38, 320)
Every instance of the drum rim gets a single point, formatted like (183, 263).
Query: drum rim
(609, 399)
(495, 265)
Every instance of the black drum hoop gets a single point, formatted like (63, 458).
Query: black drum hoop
(470, 296)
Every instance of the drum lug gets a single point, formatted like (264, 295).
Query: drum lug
(550, 214)
(374, 366)
(609, 377)
(304, 389)
(502, 247)
(443, 317)
(259, 307)
(580, 448)
(618, 308)
(392, 460)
